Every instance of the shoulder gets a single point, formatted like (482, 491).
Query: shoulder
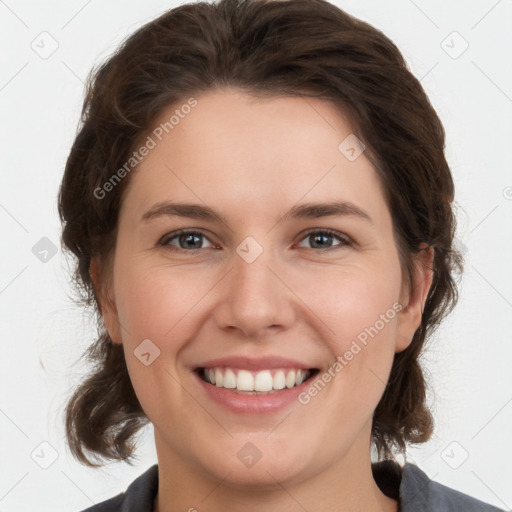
(139, 495)
(419, 493)
(112, 505)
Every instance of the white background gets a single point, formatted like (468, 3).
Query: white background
(43, 333)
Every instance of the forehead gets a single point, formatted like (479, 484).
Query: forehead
(232, 149)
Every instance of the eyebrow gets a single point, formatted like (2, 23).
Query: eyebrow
(301, 211)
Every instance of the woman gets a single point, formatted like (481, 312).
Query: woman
(260, 207)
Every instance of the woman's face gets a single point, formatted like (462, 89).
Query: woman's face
(260, 294)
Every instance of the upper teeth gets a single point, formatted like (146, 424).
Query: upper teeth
(265, 380)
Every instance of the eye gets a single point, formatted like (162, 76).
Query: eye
(186, 240)
(322, 239)
(192, 240)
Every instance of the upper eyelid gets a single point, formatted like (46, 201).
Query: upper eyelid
(173, 234)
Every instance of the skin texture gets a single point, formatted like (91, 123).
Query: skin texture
(251, 161)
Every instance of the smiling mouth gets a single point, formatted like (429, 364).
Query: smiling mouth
(255, 383)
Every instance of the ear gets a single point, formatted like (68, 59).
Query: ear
(106, 302)
(409, 318)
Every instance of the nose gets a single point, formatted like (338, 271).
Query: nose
(255, 299)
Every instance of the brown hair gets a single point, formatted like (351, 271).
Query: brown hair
(263, 47)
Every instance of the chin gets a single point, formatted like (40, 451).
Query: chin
(263, 476)
(255, 462)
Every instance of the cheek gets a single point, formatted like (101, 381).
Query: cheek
(355, 299)
(359, 311)
(154, 301)
(157, 303)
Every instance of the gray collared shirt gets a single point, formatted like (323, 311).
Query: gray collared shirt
(413, 489)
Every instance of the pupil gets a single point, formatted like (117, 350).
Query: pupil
(187, 237)
(324, 238)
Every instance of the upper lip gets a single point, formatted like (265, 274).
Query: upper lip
(255, 364)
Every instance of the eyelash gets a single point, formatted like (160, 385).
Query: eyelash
(345, 240)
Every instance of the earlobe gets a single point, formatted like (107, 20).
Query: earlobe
(410, 316)
(106, 303)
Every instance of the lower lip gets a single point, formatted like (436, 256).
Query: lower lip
(253, 404)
